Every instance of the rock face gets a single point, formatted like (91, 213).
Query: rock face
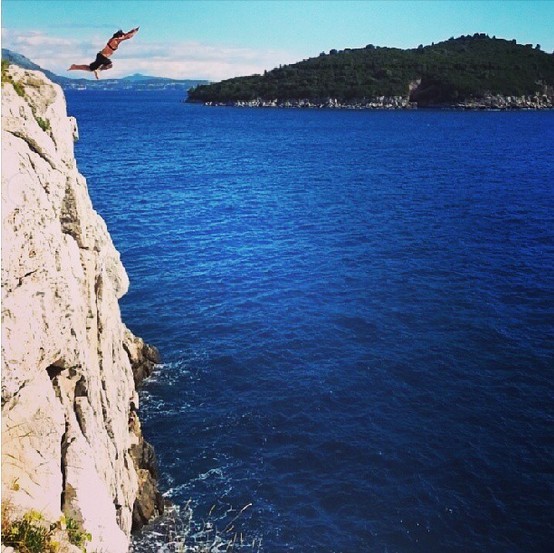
(380, 102)
(71, 438)
(411, 101)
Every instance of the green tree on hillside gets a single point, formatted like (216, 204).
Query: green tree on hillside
(449, 72)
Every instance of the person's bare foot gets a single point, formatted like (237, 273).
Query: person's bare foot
(96, 74)
(72, 68)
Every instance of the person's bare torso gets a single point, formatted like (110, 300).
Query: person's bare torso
(110, 47)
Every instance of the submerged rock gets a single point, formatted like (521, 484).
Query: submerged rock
(143, 357)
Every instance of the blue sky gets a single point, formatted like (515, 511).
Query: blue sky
(216, 39)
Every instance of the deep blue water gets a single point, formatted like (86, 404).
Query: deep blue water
(355, 312)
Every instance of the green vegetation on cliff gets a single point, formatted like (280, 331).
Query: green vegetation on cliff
(444, 73)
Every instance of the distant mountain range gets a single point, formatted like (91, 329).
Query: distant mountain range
(133, 82)
(455, 72)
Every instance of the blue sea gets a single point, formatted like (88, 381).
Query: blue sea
(355, 311)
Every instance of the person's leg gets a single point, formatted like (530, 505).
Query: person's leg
(102, 68)
(79, 68)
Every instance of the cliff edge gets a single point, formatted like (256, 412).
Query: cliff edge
(72, 446)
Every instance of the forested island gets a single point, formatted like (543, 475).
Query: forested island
(473, 71)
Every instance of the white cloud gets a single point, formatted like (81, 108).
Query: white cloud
(50, 52)
(36, 40)
(178, 60)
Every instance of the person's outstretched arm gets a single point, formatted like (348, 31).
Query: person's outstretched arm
(130, 34)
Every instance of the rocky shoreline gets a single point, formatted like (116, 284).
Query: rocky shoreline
(499, 102)
(489, 102)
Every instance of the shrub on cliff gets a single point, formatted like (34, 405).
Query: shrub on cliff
(28, 534)
(7, 78)
(32, 534)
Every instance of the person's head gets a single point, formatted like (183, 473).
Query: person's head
(118, 34)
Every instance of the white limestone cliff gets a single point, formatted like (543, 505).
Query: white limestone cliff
(69, 424)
